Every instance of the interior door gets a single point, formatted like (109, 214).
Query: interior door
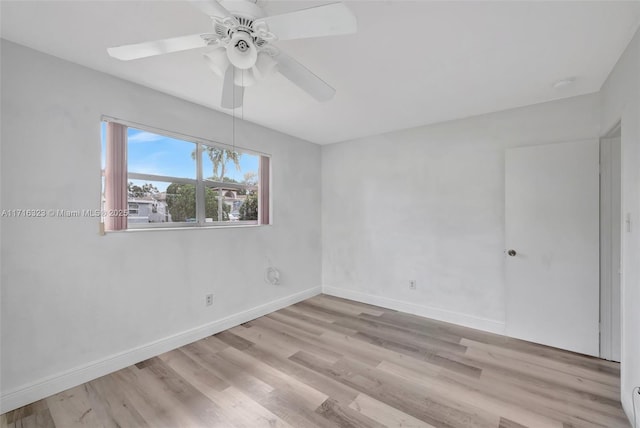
(552, 242)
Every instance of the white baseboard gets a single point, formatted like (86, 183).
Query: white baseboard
(485, 324)
(53, 384)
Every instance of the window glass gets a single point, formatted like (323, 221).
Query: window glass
(232, 166)
(149, 153)
(158, 202)
(165, 188)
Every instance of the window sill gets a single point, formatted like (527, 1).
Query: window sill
(155, 229)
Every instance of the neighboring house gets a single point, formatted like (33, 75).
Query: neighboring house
(234, 201)
(148, 210)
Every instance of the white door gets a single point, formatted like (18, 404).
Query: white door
(552, 242)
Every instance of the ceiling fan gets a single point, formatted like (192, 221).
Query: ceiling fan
(242, 37)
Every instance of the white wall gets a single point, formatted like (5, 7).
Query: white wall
(76, 304)
(621, 102)
(428, 204)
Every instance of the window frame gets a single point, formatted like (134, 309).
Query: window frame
(199, 182)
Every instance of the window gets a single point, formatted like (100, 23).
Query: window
(151, 180)
(133, 208)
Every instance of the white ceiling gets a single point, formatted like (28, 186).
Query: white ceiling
(411, 62)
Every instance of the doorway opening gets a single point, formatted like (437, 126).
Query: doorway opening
(610, 243)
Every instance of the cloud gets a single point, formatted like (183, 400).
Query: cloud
(144, 137)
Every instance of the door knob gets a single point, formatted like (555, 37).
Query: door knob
(512, 253)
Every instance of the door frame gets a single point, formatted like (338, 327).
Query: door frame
(610, 243)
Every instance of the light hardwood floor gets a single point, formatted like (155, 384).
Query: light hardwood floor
(329, 362)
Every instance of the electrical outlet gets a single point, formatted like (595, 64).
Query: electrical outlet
(412, 284)
(209, 299)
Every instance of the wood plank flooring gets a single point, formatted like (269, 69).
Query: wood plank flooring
(329, 362)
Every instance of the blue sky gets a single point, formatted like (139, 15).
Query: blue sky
(150, 153)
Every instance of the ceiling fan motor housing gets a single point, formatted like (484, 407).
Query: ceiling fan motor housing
(245, 13)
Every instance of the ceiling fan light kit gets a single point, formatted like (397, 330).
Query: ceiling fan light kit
(244, 78)
(217, 61)
(265, 66)
(243, 53)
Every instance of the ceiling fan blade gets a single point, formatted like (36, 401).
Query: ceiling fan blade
(303, 78)
(231, 94)
(211, 8)
(157, 47)
(328, 20)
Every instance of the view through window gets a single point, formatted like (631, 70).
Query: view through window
(175, 182)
